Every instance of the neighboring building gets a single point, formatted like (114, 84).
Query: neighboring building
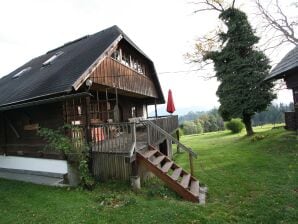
(102, 83)
(287, 69)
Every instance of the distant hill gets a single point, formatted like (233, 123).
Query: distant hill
(161, 110)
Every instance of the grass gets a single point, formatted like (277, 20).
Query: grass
(250, 180)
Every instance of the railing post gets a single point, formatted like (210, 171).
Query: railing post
(148, 134)
(191, 164)
(134, 133)
(178, 138)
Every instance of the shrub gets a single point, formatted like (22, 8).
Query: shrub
(189, 128)
(75, 150)
(199, 128)
(235, 125)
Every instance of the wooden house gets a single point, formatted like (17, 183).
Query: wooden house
(102, 83)
(287, 69)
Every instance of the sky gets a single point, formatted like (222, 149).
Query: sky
(164, 29)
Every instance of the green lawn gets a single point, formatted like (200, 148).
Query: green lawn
(250, 180)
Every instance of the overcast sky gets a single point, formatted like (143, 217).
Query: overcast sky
(164, 29)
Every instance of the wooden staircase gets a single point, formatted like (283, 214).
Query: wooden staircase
(174, 176)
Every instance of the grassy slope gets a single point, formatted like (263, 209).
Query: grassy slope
(249, 182)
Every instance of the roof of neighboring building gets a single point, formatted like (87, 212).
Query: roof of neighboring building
(288, 64)
(59, 77)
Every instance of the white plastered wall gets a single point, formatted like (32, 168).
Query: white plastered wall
(33, 164)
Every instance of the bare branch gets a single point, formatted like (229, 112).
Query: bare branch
(209, 5)
(279, 85)
(279, 21)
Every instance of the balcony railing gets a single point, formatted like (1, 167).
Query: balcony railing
(113, 137)
(123, 137)
(167, 123)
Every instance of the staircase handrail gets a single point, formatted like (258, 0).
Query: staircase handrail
(170, 137)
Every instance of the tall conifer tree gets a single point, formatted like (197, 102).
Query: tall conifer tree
(240, 68)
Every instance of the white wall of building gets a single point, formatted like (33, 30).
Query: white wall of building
(33, 164)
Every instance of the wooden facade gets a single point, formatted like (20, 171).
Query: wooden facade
(291, 117)
(287, 69)
(112, 73)
(18, 134)
(110, 116)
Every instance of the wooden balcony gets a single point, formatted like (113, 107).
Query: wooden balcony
(124, 137)
(114, 74)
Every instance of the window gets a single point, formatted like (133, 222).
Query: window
(125, 60)
(53, 58)
(128, 60)
(20, 73)
(79, 110)
(296, 96)
(117, 55)
(135, 65)
(76, 122)
(133, 111)
(140, 69)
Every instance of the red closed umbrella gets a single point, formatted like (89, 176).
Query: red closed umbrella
(170, 103)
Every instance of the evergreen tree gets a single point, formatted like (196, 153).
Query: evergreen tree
(240, 68)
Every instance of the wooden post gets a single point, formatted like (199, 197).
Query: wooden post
(155, 109)
(148, 134)
(134, 132)
(88, 131)
(5, 134)
(191, 164)
(178, 138)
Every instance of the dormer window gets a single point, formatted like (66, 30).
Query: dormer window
(20, 73)
(53, 58)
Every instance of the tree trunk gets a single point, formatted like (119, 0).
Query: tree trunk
(247, 122)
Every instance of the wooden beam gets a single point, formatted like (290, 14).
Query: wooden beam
(10, 124)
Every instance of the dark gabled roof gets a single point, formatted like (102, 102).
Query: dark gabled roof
(59, 77)
(288, 64)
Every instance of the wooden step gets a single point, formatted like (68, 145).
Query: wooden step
(158, 159)
(149, 153)
(174, 176)
(165, 168)
(185, 180)
(195, 187)
(176, 173)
